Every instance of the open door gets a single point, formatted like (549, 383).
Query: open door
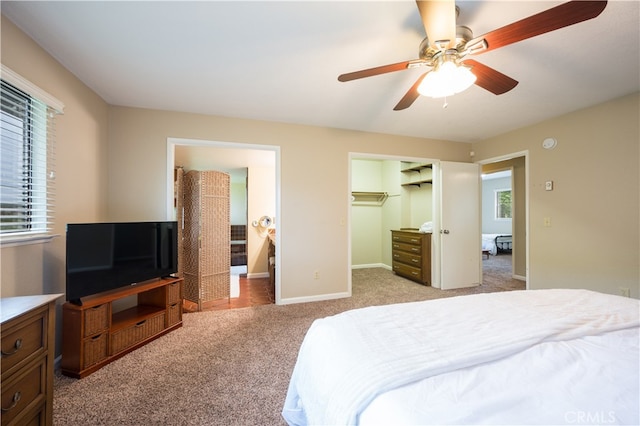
(458, 202)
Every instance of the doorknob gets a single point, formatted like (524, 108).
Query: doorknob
(444, 231)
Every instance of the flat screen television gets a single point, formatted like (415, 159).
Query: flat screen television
(106, 256)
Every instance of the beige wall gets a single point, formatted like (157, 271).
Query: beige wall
(81, 169)
(593, 240)
(81, 162)
(261, 201)
(313, 177)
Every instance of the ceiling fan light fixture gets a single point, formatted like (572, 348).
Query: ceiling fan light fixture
(446, 79)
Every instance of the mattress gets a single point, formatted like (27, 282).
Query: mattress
(534, 356)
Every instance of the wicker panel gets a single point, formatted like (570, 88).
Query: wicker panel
(174, 314)
(207, 243)
(191, 236)
(122, 339)
(215, 286)
(95, 350)
(215, 184)
(173, 293)
(96, 320)
(215, 250)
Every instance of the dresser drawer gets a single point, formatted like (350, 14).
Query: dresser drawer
(407, 271)
(407, 248)
(35, 419)
(24, 391)
(23, 339)
(408, 258)
(406, 238)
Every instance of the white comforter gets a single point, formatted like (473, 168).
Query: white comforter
(472, 359)
(489, 243)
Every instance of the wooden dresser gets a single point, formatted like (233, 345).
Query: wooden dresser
(28, 350)
(411, 254)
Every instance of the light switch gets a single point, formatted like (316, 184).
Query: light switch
(548, 185)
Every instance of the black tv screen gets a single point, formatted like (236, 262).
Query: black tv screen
(105, 256)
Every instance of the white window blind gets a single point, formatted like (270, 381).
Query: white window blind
(27, 159)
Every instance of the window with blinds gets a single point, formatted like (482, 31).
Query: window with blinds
(27, 165)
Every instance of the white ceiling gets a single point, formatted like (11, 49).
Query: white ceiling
(279, 61)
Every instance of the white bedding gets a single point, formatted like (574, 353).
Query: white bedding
(537, 357)
(489, 243)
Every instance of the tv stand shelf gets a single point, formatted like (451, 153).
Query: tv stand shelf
(133, 316)
(94, 334)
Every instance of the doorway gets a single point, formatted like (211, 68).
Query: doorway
(376, 239)
(380, 203)
(256, 171)
(517, 166)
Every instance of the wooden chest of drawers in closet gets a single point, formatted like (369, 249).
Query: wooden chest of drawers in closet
(411, 254)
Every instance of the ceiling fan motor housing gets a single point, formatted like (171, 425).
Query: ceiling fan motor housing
(428, 52)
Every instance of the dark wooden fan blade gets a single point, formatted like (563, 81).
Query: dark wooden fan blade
(552, 19)
(439, 20)
(409, 98)
(490, 79)
(375, 71)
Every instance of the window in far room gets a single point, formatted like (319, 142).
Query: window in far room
(503, 203)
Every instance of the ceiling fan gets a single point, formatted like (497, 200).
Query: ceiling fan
(447, 47)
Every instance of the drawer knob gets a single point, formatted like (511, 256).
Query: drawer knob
(17, 345)
(141, 323)
(14, 401)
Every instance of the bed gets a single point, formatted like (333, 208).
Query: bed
(532, 356)
(497, 243)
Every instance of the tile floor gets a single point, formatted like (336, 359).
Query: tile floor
(253, 292)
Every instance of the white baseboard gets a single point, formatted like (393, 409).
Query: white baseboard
(519, 277)
(258, 275)
(318, 298)
(371, 265)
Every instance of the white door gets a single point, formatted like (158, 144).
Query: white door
(459, 227)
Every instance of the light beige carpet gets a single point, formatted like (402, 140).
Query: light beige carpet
(225, 367)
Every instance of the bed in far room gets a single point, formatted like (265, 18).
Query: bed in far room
(496, 243)
(520, 357)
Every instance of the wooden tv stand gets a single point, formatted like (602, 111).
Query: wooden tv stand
(94, 334)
